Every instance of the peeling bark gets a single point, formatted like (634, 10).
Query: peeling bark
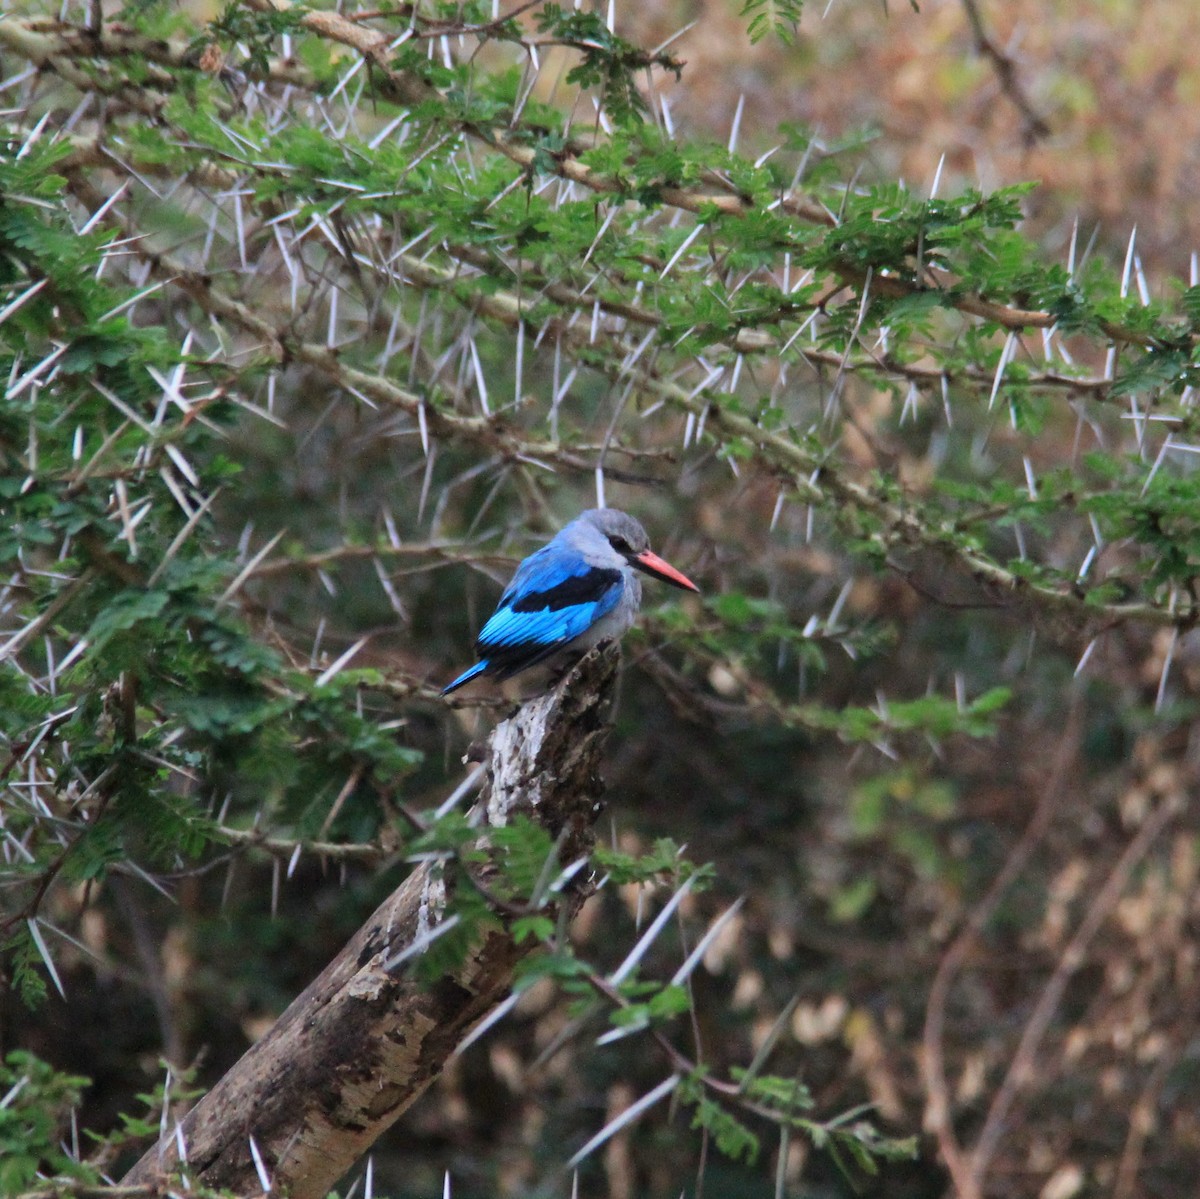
(362, 1042)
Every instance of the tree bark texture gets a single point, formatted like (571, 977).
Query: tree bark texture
(363, 1041)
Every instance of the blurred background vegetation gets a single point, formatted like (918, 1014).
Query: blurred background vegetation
(947, 763)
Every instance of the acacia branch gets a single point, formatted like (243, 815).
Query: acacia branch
(287, 848)
(94, 152)
(403, 88)
(58, 48)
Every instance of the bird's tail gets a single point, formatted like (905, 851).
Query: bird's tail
(465, 677)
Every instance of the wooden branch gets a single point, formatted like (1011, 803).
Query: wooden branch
(363, 1041)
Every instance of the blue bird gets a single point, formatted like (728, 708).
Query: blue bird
(576, 591)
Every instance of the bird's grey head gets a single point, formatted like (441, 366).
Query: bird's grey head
(621, 531)
(608, 538)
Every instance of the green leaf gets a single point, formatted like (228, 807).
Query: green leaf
(125, 611)
(851, 901)
(778, 17)
(533, 928)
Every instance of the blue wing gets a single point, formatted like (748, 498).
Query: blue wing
(552, 599)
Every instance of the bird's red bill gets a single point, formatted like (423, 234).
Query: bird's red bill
(652, 564)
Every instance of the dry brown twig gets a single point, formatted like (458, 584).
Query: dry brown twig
(1034, 126)
(968, 1167)
(1021, 1069)
(933, 1062)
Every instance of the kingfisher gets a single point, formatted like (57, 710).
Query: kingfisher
(579, 589)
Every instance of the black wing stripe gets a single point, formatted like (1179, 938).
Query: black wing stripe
(575, 589)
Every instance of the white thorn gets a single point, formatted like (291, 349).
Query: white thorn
(1125, 274)
(737, 122)
(937, 177)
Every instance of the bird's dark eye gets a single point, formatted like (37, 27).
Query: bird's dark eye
(620, 545)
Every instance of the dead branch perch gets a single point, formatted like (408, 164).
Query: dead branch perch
(348, 1057)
